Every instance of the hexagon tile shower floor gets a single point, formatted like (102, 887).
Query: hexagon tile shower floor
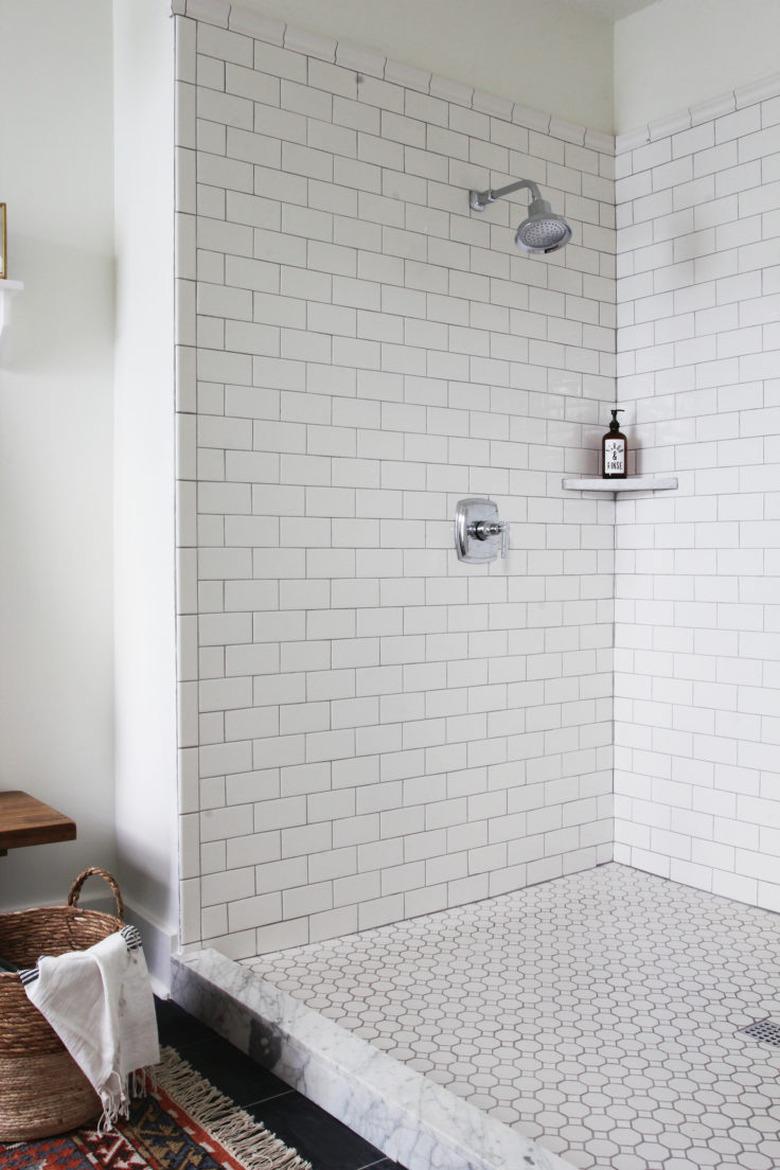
(599, 1014)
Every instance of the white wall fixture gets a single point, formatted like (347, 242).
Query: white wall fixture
(8, 290)
(634, 483)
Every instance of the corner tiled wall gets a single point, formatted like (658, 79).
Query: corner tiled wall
(697, 707)
(370, 730)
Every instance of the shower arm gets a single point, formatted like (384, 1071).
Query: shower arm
(479, 200)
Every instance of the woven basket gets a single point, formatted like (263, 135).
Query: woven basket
(42, 1090)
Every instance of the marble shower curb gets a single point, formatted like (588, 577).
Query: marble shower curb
(410, 1118)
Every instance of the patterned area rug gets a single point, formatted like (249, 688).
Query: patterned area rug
(184, 1123)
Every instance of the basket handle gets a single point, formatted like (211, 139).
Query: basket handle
(97, 871)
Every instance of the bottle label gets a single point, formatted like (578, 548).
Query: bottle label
(614, 457)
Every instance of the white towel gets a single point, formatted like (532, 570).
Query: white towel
(100, 1004)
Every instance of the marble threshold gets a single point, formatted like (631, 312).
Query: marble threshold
(409, 1117)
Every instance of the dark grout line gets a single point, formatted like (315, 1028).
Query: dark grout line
(273, 1097)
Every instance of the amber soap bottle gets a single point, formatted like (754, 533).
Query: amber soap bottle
(614, 451)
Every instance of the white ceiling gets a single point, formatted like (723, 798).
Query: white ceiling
(612, 9)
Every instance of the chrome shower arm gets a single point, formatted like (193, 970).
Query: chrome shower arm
(479, 200)
(541, 231)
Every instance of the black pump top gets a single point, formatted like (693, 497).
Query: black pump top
(614, 424)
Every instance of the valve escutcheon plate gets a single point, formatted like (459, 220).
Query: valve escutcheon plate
(468, 547)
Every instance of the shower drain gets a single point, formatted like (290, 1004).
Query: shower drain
(766, 1030)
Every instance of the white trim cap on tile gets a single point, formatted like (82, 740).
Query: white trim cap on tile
(244, 19)
(714, 107)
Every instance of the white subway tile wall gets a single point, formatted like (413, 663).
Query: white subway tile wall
(697, 683)
(371, 730)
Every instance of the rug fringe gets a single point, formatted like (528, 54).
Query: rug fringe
(243, 1137)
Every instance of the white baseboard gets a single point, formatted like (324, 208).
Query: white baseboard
(160, 943)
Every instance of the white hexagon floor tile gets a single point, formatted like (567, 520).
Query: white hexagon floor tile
(600, 1014)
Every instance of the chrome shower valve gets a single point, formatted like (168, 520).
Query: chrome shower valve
(480, 536)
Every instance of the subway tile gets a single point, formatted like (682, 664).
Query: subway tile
(415, 297)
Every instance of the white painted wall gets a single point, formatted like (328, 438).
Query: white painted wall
(551, 56)
(56, 735)
(144, 480)
(677, 53)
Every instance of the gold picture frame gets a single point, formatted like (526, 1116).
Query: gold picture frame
(3, 241)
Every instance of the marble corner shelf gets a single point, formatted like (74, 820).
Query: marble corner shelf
(7, 289)
(634, 483)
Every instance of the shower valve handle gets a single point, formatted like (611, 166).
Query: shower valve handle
(484, 529)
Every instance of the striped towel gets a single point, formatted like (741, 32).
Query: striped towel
(100, 1004)
(130, 934)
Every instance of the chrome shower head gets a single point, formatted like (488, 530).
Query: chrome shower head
(542, 231)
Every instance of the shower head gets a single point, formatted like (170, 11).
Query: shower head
(541, 231)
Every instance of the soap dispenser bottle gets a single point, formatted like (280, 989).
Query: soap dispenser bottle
(614, 451)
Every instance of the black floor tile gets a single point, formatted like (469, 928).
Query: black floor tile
(233, 1073)
(317, 1136)
(177, 1027)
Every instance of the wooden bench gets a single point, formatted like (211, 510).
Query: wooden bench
(27, 821)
